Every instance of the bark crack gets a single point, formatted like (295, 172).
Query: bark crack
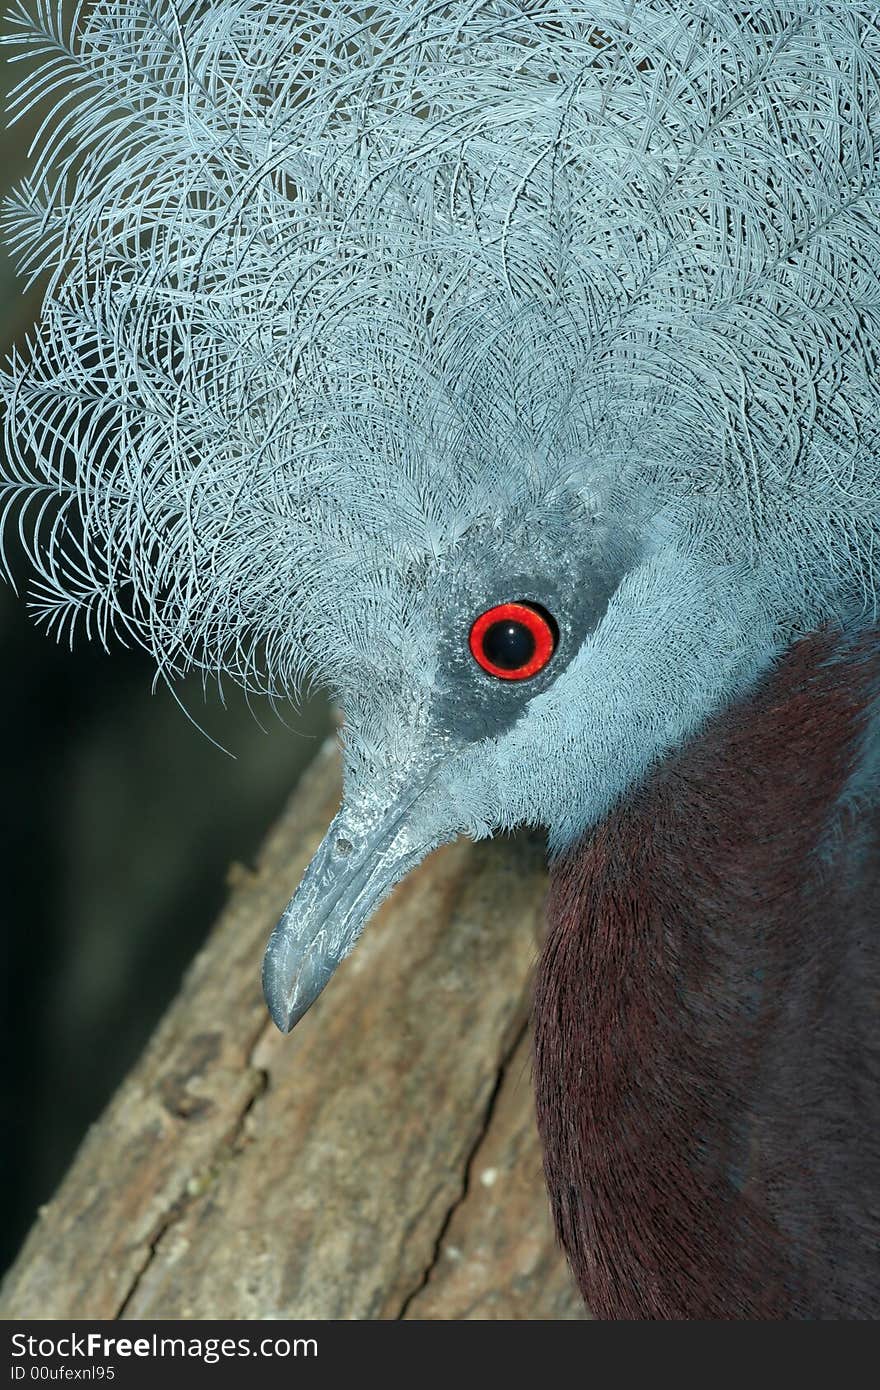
(488, 1115)
(228, 1149)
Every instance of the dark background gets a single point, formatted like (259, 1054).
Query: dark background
(118, 820)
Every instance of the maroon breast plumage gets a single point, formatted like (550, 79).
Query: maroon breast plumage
(706, 1007)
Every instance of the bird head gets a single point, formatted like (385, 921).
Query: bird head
(460, 652)
(519, 679)
(504, 372)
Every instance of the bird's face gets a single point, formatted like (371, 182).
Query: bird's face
(522, 677)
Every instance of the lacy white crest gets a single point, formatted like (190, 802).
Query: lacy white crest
(333, 284)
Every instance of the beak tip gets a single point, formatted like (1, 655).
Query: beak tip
(283, 1021)
(286, 1016)
(291, 989)
(278, 1000)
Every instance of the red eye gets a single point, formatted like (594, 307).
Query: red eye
(513, 640)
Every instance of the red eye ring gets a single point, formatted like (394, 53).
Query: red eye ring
(540, 628)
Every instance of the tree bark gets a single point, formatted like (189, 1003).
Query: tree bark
(381, 1162)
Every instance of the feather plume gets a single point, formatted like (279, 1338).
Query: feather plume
(332, 284)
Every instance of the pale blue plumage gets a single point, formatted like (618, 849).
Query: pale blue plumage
(364, 321)
(335, 288)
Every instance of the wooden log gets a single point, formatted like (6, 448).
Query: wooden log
(381, 1162)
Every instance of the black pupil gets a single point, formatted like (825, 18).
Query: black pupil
(508, 645)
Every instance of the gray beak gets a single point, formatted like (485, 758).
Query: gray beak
(366, 851)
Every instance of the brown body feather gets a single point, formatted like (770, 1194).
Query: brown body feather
(706, 1044)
